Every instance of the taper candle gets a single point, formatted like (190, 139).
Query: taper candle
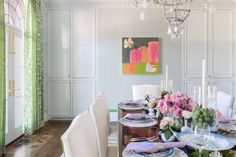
(166, 77)
(195, 94)
(204, 83)
(199, 95)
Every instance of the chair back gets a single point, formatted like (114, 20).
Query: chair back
(99, 113)
(102, 95)
(80, 139)
(224, 103)
(139, 91)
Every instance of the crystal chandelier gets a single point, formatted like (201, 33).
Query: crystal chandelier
(175, 13)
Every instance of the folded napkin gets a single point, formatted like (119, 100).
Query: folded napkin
(226, 119)
(151, 147)
(223, 120)
(136, 116)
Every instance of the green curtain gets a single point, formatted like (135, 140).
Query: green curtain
(33, 73)
(2, 79)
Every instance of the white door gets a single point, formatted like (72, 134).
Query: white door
(14, 81)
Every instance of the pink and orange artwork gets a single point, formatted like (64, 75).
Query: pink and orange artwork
(140, 55)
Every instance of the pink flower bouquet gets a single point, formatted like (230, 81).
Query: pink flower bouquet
(174, 104)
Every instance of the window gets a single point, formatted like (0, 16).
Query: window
(14, 13)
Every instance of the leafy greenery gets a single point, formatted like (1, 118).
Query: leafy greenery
(167, 133)
(205, 153)
(163, 93)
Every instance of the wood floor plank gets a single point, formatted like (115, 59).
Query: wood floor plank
(43, 143)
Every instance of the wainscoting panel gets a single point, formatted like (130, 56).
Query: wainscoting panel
(59, 61)
(195, 45)
(84, 61)
(83, 95)
(84, 26)
(59, 26)
(59, 98)
(221, 52)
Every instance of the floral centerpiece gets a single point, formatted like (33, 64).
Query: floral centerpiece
(176, 106)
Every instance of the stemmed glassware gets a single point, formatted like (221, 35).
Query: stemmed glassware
(201, 137)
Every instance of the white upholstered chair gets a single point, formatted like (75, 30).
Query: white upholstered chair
(99, 115)
(112, 129)
(139, 91)
(80, 140)
(225, 103)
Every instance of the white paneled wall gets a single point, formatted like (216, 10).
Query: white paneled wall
(78, 32)
(71, 71)
(209, 35)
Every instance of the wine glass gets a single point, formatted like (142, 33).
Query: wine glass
(201, 137)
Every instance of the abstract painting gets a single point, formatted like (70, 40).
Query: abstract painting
(140, 55)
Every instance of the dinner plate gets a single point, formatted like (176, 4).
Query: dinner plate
(131, 105)
(174, 152)
(164, 153)
(139, 123)
(215, 141)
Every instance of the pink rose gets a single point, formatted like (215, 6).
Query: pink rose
(178, 113)
(179, 94)
(178, 104)
(186, 97)
(189, 107)
(161, 103)
(173, 96)
(167, 97)
(172, 110)
(163, 124)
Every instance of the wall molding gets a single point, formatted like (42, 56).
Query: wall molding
(113, 5)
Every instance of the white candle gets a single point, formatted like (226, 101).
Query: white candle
(171, 85)
(168, 85)
(199, 95)
(204, 83)
(215, 96)
(194, 93)
(162, 85)
(209, 93)
(167, 77)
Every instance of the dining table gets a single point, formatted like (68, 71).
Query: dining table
(132, 132)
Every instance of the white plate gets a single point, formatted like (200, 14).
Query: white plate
(177, 153)
(130, 106)
(138, 123)
(216, 141)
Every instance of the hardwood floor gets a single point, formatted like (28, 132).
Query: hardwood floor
(43, 143)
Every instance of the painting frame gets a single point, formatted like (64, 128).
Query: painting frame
(140, 55)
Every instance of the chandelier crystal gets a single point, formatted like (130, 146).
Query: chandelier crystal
(175, 13)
